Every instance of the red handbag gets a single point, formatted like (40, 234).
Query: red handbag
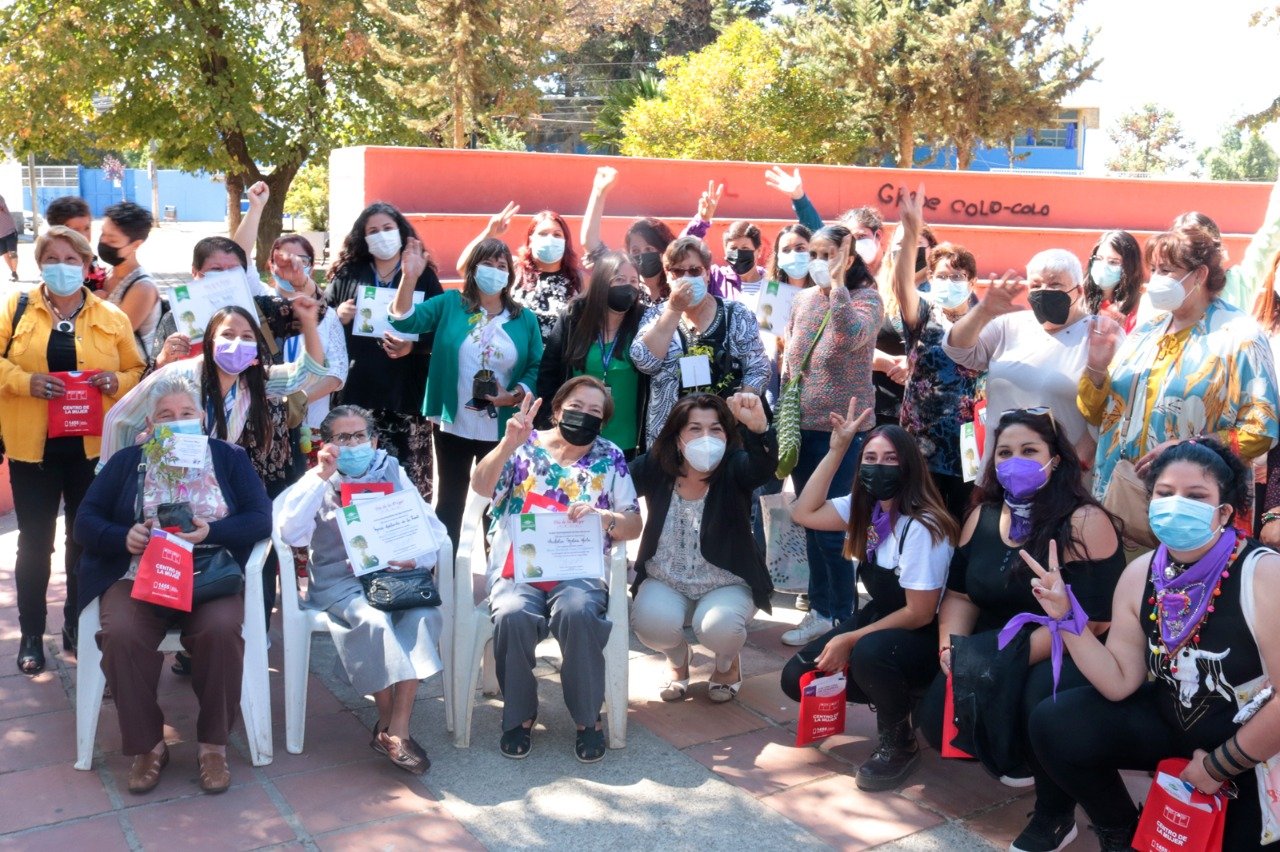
(166, 572)
(822, 706)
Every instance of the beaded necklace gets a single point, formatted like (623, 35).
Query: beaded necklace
(1173, 606)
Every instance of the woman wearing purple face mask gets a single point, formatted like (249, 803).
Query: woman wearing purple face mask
(1032, 496)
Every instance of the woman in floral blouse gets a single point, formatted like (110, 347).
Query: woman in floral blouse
(548, 272)
(574, 467)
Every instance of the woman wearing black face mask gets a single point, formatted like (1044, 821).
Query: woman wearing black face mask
(898, 527)
(128, 286)
(593, 337)
(645, 241)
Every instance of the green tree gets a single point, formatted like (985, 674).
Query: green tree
(607, 136)
(1236, 157)
(248, 88)
(735, 99)
(1148, 139)
(1266, 17)
(958, 72)
(309, 195)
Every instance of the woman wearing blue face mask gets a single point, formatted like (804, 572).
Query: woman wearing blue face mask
(384, 654)
(1188, 649)
(1114, 278)
(228, 508)
(938, 394)
(695, 342)
(548, 273)
(45, 333)
(1031, 498)
(485, 362)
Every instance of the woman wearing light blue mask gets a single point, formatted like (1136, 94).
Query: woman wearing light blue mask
(485, 360)
(548, 272)
(695, 342)
(384, 654)
(1188, 649)
(1114, 277)
(45, 334)
(938, 394)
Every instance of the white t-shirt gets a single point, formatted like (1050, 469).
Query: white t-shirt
(478, 425)
(922, 565)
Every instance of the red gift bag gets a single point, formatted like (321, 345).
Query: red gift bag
(949, 731)
(166, 572)
(822, 706)
(1178, 817)
(79, 411)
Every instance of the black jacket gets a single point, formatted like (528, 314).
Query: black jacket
(727, 540)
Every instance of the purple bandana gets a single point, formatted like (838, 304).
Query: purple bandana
(1184, 598)
(1074, 622)
(881, 527)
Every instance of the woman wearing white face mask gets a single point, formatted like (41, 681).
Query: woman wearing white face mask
(697, 556)
(1198, 367)
(388, 372)
(1114, 278)
(45, 333)
(695, 342)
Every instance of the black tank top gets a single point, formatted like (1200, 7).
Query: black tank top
(1200, 698)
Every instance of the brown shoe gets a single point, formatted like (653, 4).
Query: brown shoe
(214, 775)
(144, 775)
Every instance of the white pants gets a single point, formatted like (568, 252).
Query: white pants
(659, 614)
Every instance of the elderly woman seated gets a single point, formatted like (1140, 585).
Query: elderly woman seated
(228, 508)
(385, 654)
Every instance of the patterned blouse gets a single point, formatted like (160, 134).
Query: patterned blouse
(546, 294)
(1222, 380)
(678, 562)
(939, 395)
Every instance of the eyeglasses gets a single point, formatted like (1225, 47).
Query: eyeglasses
(345, 438)
(955, 278)
(687, 271)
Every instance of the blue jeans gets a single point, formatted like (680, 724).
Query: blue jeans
(831, 586)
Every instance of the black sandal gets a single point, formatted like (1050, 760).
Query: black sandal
(181, 664)
(31, 655)
(517, 742)
(589, 746)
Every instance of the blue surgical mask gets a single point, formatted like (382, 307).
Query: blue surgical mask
(62, 279)
(282, 284)
(1182, 524)
(1104, 274)
(490, 279)
(794, 263)
(699, 285)
(948, 294)
(547, 249)
(355, 460)
(186, 427)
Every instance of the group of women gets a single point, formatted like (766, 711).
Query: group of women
(592, 379)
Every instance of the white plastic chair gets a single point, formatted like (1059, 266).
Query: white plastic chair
(255, 696)
(300, 622)
(474, 642)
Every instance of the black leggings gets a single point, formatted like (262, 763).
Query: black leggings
(887, 668)
(455, 458)
(1039, 686)
(1083, 740)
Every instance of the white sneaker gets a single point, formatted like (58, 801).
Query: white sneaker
(807, 630)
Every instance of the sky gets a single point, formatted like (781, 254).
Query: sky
(1200, 59)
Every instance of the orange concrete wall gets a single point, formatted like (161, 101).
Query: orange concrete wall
(1002, 218)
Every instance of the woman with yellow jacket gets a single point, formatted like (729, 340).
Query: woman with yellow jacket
(48, 336)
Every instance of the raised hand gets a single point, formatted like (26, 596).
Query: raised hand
(1047, 586)
(520, 424)
(788, 184)
(911, 209)
(259, 193)
(1002, 294)
(747, 409)
(709, 201)
(1104, 340)
(307, 310)
(606, 177)
(499, 222)
(327, 461)
(845, 428)
(414, 258)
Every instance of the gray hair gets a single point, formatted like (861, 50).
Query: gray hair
(1056, 260)
(172, 386)
(326, 425)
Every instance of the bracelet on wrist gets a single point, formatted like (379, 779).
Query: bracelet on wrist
(1273, 515)
(944, 649)
(1214, 767)
(1234, 742)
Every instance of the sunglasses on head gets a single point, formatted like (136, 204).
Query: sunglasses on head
(1035, 411)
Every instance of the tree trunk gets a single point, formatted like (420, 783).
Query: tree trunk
(270, 226)
(964, 155)
(459, 97)
(906, 142)
(235, 188)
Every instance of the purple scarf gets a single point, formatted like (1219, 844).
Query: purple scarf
(881, 527)
(1074, 622)
(1183, 599)
(1019, 517)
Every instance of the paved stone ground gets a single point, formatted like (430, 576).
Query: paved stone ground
(693, 774)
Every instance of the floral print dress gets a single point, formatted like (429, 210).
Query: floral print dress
(546, 294)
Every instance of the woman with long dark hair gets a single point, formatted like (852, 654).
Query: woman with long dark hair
(388, 372)
(1114, 278)
(1032, 496)
(645, 242)
(593, 337)
(1266, 311)
(898, 528)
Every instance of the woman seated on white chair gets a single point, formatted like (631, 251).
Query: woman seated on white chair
(698, 559)
(571, 465)
(229, 508)
(385, 654)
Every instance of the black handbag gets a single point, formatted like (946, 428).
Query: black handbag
(390, 591)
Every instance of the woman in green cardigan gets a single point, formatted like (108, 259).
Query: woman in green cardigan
(484, 360)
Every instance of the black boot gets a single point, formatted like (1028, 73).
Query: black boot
(1115, 839)
(891, 763)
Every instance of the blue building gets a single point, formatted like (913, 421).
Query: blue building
(1057, 147)
(184, 197)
